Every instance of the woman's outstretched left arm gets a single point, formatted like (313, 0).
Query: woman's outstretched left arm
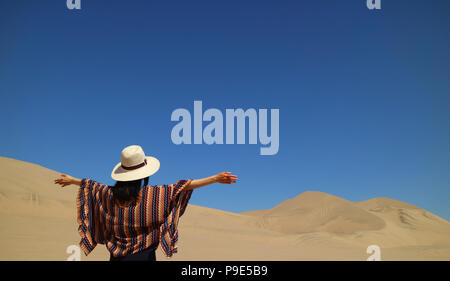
(224, 177)
(65, 180)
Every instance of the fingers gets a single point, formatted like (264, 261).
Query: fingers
(229, 182)
(63, 181)
(59, 182)
(228, 174)
(228, 178)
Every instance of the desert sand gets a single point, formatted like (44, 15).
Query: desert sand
(38, 222)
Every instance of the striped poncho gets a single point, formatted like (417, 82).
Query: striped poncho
(151, 220)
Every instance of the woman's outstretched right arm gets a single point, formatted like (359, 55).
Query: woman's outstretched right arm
(224, 177)
(65, 180)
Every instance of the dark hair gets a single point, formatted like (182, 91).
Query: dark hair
(126, 191)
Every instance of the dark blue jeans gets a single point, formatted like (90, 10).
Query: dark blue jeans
(145, 255)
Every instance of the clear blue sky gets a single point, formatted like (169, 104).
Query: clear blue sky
(364, 96)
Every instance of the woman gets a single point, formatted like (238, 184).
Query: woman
(129, 218)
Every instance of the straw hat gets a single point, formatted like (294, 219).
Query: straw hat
(134, 165)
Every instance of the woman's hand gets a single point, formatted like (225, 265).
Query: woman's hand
(66, 180)
(226, 178)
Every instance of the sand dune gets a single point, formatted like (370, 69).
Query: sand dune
(38, 222)
(318, 211)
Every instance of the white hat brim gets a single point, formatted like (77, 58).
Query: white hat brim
(120, 174)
